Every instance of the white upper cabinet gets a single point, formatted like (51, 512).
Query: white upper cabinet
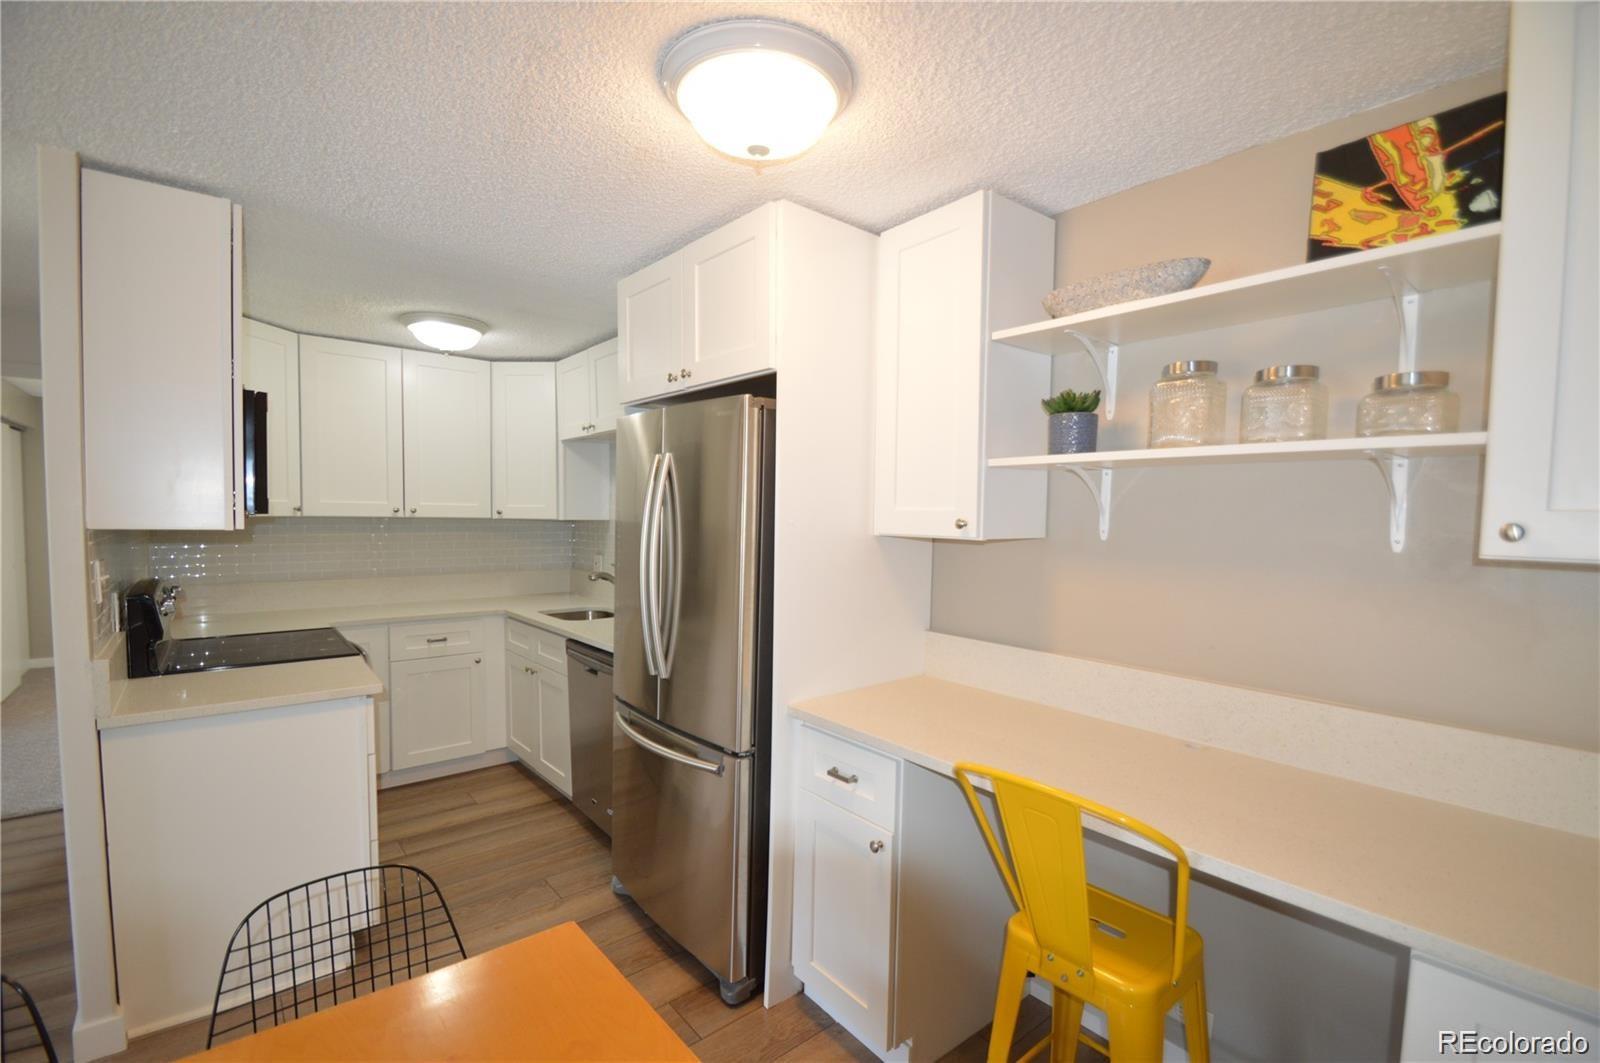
(650, 330)
(948, 397)
(706, 314)
(447, 435)
(160, 346)
(351, 452)
(586, 391)
(271, 364)
(1541, 485)
(727, 289)
(524, 448)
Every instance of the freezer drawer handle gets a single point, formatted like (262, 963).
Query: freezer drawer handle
(671, 754)
(848, 780)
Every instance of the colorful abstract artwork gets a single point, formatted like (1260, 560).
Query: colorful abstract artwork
(1434, 175)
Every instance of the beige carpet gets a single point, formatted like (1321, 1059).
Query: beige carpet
(30, 758)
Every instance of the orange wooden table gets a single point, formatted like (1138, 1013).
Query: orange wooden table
(552, 996)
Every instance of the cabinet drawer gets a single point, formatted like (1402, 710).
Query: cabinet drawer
(851, 776)
(435, 638)
(538, 645)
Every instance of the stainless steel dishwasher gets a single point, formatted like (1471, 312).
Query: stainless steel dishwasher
(589, 692)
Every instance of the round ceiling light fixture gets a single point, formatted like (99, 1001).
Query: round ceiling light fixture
(757, 89)
(445, 332)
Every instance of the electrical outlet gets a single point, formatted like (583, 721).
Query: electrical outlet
(97, 582)
(116, 612)
(599, 562)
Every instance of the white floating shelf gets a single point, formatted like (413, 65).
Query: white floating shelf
(1431, 263)
(1392, 455)
(1234, 453)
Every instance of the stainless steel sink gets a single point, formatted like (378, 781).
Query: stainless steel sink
(580, 614)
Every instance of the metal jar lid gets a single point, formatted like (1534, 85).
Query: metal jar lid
(1278, 374)
(1176, 369)
(1432, 378)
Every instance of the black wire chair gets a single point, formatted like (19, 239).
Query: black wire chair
(22, 1028)
(329, 940)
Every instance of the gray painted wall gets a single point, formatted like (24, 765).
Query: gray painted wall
(27, 410)
(1281, 577)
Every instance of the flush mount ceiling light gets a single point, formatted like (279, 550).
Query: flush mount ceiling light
(756, 89)
(445, 332)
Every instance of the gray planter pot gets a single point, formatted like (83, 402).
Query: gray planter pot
(1074, 433)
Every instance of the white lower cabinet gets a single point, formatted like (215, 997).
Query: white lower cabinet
(437, 710)
(554, 759)
(538, 720)
(373, 641)
(522, 708)
(843, 916)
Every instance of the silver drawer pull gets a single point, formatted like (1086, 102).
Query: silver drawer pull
(441, 638)
(848, 780)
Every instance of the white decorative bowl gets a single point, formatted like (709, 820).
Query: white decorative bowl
(1126, 285)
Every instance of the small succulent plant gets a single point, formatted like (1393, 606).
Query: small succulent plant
(1072, 402)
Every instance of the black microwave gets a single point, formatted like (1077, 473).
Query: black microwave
(254, 415)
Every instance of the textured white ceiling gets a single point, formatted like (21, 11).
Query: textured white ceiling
(511, 162)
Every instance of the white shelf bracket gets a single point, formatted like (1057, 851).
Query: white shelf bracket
(1396, 471)
(1406, 302)
(1098, 481)
(1104, 357)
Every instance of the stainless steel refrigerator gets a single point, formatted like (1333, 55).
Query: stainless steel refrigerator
(692, 682)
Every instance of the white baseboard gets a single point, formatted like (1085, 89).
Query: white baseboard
(445, 767)
(41, 662)
(98, 1038)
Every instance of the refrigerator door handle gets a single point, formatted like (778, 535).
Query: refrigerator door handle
(671, 754)
(649, 561)
(667, 634)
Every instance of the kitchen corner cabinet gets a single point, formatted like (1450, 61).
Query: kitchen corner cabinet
(437, 709)
(161, 343)
(271, 364)
(586, 392)
(351, 439)
(1541, 483)
(706, 314)
(373, 642)
(447, 435)
(523, 453)
(948, 397)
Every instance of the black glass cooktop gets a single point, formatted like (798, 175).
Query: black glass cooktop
(174, 656)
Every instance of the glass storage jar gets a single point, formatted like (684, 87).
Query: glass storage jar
(1188, 405)
(1285, 402)
(1403, 404)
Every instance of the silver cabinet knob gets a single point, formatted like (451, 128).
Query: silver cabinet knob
(396, 509)
(413, 511)
(297, 509)
(875, 845)
(477, 660)
(499, 512)
(672, 378)
(1513, 532)
(684, 373)
(960, 523)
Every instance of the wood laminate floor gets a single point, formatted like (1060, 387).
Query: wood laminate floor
(512, 857)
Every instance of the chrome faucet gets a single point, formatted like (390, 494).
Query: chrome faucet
(608, 577)
(168, 604)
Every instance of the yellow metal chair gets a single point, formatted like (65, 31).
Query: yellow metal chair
(1091, 946)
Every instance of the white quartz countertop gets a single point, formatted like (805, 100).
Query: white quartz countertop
(529, 608)
(1518, 903)
(165, 698)
(160, 699)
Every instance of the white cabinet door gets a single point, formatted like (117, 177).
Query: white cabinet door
(446, 435)
(844, 914)
(159, 323)
(373, 641)
(930, 373)
(271, 363)
(524, 451)
(1446, 1005)
(603, 377)
(650, 331)
(1541, 483)
(522, 708)
(728, 312)
(437, 709)
(575, 395)
(555, 731)
(351, 453)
